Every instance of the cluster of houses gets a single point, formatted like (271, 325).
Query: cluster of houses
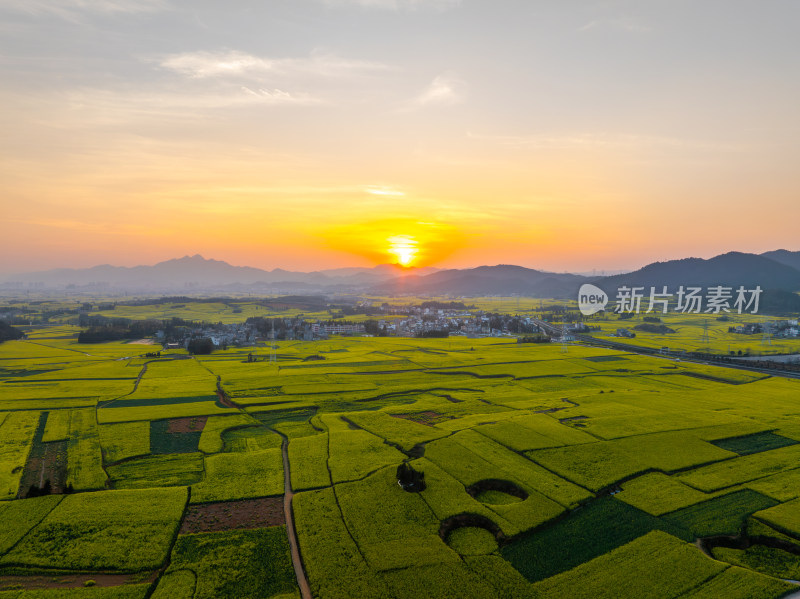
(458, 323)
(221, 335)
(777, 328)
(415, 323)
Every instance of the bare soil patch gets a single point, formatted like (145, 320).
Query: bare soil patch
(194, 424)
(72, 581)
(229, 515)
(46, 462)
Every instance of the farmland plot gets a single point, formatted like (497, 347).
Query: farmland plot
(336, 568)
(353, 454)
(308, 457)
(84, 458)
(656, 565)
(240, 476)
(518, 438)
(18, 517)
(128, 531)
(237, 564)
(16, 435)
(402, 533)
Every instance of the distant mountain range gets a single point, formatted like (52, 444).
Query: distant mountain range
(779, 269)
(731, 269)
(198, 273)
(486, 280)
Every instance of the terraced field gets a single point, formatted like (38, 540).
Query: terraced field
(591, 473)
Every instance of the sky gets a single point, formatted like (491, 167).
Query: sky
(307, 134)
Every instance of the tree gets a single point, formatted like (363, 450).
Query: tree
(200, 346)
(409, 479)
(9, 333)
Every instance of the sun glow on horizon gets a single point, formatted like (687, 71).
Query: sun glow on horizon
(404, 248)
(403, 241)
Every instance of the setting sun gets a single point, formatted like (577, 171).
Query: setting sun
(404, 248)
(403, 241)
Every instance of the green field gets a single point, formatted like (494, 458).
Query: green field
(690, 330)
(585, 473)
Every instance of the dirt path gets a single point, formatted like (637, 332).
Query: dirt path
(226, 401)
(138, 380)
(288, 494)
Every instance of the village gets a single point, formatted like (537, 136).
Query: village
(408, 321)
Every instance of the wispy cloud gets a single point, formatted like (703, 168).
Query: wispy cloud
(603, 140)
(232, 63)
(444, 90)
(627, 24)
(277, 96)
(69, 9)
(106, 107)
(437, 5)
(383, 191)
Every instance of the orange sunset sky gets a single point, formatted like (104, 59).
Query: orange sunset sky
(311, 134)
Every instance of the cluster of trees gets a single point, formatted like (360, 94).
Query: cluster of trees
(9, 333)
(373, 327)
(433, 305)
(410, 480)
(517, 326)
(101, 329)
(15, 311)
(537, 338)
(281, 326)
(433, 334)
(353, 310)
(116, 329)
(560, 314)
(659, 329)
(200, 346)
(177, 299)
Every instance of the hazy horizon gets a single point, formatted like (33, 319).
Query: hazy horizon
(597, 270)
(317, 134)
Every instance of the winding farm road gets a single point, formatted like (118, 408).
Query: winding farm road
(288, 494)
